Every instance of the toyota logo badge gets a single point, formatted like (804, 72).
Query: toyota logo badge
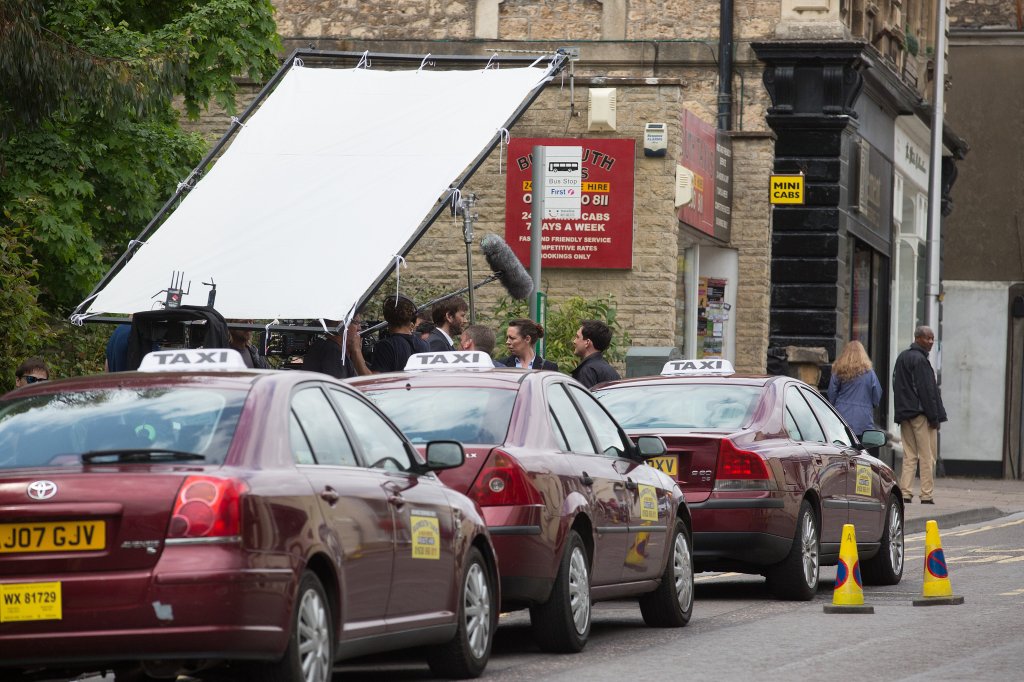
(42, 490)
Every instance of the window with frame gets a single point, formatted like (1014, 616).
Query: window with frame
(606, 432)
(803, 416)
(835, 430)
(319, 427)
(567, 423)
(381, 445)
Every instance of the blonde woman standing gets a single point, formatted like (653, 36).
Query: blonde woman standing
(854, 389)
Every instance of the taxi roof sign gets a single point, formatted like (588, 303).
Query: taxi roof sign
(453, 359)
(193, 359)
(696, 368)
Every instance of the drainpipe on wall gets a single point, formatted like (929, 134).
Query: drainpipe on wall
(725, 9)
(933, 285)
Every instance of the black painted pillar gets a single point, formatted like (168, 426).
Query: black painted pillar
(813, 86)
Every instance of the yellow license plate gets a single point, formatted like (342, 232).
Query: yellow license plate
(30, 601)
(666, 464)
(52, 536)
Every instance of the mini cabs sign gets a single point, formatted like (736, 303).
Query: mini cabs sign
(786, 189)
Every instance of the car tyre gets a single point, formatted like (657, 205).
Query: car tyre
(886, 567)
(310, 653)
(795, 578)
(467, 653)
(562, 623)
(671, 605)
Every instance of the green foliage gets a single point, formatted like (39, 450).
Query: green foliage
(90, 145)
(562, 321)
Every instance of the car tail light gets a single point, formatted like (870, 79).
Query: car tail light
(740, 469)
(503, 482)
(207, 507)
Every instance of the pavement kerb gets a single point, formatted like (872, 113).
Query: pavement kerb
(953, 519)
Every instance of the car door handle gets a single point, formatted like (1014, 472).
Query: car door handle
(586, 479)
(817, 460)
(630, 484)
(330, 495)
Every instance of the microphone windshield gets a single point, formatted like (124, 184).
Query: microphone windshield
(511, 273)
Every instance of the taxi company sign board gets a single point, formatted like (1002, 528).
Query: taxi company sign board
(602, 235)
(786, 189)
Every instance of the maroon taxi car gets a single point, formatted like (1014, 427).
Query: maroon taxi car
(770, 471)
(575, 513)
(155, 523)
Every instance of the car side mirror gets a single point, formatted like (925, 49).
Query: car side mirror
(445, 454)
(651, 446)
(873, 438)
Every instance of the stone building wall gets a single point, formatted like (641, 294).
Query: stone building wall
(990, 14)
(663, 61)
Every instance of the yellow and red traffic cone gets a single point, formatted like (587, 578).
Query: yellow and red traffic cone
(848, 595)
(937, 589)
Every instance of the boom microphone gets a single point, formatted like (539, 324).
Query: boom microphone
(511, 273)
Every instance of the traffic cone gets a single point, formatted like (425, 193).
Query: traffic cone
(848, 595)
(937, 589)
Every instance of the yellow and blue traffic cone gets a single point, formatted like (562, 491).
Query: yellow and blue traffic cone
(848, 595)
(937, 588)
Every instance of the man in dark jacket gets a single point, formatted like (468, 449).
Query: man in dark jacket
(918, 410)
(592, 338)
(449, 317)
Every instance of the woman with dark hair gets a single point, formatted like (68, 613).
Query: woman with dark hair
(854, 389)
(521, 341)
(393, 351)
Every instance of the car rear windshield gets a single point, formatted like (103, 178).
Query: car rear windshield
(682, 406)
(468, 415)
(57, 429)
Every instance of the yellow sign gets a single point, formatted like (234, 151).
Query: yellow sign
(648, 503)
(863, 479)
(52, 536)
(598, 187)
(30, 601)
(666, 464)
(786, 189)
(426, 536)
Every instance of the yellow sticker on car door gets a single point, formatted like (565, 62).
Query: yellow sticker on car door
(648, 503)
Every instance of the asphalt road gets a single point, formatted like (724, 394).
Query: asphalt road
(739, 632)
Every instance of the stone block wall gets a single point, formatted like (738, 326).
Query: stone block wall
(664, 61)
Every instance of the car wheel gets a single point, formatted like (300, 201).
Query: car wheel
(562, 623)
(671, 605)
(467, 653)
(886, 567)
(796, 577)
(310, 653)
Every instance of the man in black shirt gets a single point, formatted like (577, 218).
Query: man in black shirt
(592, 338)
(325, 354)
(393, 351)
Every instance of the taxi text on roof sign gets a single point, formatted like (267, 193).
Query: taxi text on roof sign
(786, 189)
(192, 359)
(680, 368)
(453, 359)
